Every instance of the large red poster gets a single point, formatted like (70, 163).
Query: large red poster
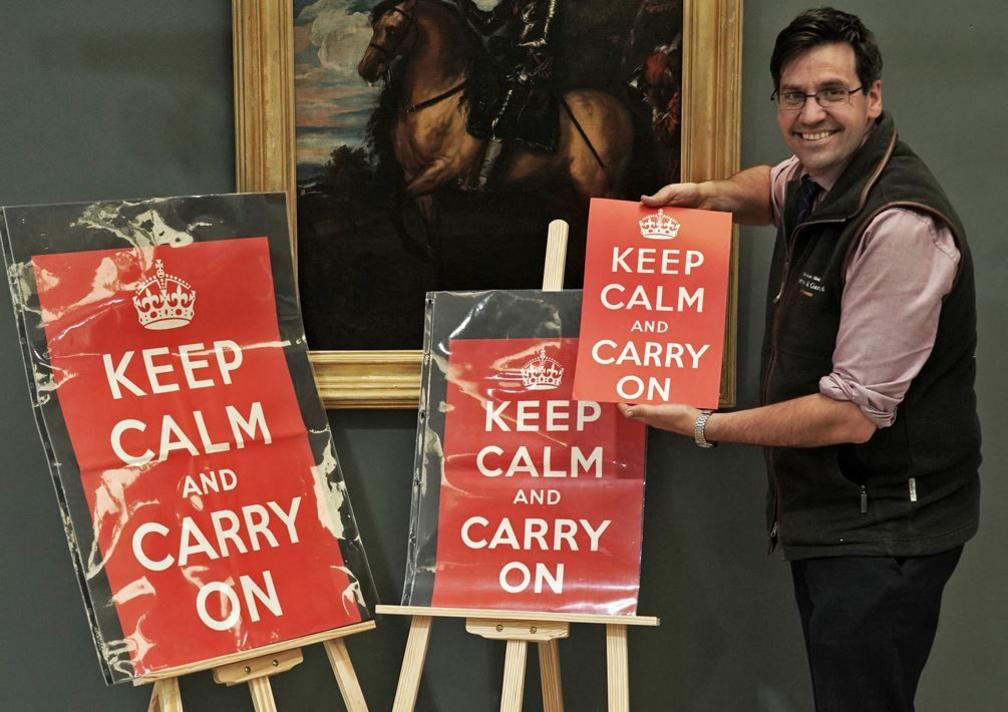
(198, 485)
(655, 295)
(193, 454)
(541, 496)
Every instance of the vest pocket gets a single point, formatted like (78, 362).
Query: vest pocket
(851, 466)
(886, 459)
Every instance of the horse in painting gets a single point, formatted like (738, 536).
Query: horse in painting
(429, 136)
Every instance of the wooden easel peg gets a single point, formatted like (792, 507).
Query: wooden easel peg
(256, 672)
(549, 650)
(166, 696)
(518, 635)
(556, 256)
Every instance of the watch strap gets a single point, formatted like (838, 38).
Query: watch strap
(698, 429)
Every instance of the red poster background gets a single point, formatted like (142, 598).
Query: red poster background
(88, 311)
(615, 225)
(602, 582)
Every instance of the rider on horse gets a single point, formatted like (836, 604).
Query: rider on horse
(520, 105)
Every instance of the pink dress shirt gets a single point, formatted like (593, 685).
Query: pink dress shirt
(898, 275)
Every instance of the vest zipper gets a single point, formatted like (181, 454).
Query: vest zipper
(788, 247)
(787, 265)
(775, 528)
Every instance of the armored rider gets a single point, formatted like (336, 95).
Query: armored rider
(518, 35)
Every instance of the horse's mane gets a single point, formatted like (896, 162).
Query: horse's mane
(474, 54)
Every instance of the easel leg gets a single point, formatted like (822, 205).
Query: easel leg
(514, 676)
(346, 678)
(412, 667)
(262, 694)
(166, 696)
(618, 668)
(549, 671)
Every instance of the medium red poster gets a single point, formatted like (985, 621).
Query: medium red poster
(216, 526)
(528, 500)
(655, 297)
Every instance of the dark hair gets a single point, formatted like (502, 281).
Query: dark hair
(825, 25)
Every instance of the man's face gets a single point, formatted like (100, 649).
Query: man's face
(824, 139)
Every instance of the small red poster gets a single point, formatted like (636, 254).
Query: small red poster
(541, 495)
(654, 305)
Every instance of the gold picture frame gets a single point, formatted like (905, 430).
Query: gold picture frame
(265, 161)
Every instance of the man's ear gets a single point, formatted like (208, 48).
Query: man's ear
(874, 97)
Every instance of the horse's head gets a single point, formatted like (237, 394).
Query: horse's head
(394, 33)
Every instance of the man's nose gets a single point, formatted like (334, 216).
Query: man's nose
(811, 112)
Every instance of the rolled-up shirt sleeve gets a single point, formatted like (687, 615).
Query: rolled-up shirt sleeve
(900, 272)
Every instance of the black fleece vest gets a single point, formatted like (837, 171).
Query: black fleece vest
(913, 488)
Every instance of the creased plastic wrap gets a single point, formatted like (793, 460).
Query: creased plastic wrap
(198, 485)
(523, 499)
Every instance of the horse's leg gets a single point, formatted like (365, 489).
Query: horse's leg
(471, 177)
(415, 246)
(434, 175)
(431, 213)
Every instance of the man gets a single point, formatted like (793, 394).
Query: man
(868, 411)
(518, 35)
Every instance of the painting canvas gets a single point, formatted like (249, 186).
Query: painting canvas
(380, 221)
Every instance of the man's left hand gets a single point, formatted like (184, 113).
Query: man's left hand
(674, 417)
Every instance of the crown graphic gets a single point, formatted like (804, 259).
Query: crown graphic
(659, 226)
(164, 301)
(542, 372)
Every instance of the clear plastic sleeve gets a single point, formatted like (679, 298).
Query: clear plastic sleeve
(196, 476)
(523, 499)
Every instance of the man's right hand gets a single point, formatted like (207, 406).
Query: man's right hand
(746, 195)
(683, 195)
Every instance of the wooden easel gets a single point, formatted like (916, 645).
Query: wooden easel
(256, 667)
(519, 628)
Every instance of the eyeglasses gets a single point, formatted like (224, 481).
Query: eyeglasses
(826, 98)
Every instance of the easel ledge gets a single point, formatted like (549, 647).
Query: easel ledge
(262, 652)
(254, 667)
(516, 615)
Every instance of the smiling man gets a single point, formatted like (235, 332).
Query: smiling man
(868, 411)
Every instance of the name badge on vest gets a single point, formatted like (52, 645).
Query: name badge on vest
(811, 285)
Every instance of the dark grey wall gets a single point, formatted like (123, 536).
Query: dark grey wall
(120, 98)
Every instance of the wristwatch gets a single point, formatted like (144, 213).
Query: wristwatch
(698, 429)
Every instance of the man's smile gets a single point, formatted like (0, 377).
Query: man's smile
(815, 135)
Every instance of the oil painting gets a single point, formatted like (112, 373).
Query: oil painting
(399, 110)
(426, 144)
